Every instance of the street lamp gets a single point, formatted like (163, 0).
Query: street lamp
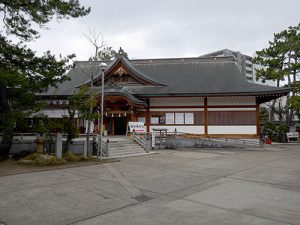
(102, 68)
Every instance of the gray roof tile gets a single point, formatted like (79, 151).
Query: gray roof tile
(181, 76)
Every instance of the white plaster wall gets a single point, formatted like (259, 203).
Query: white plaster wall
(231, 129)
(180, 101)
(184, 129)
(55, 113)
(231, 101)
(177, 110)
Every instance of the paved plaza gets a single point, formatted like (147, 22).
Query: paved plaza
(209, 187)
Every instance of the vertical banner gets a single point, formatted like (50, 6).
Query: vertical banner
(153, 140)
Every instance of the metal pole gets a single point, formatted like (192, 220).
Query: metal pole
(85, 153)
(102, 111)
(102, 68)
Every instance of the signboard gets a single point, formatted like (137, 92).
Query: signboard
(138, 127)
(292, 136)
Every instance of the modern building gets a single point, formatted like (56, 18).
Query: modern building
(261, 81)
(243, 62)
(204, 96)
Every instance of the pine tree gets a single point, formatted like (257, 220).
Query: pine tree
(23, 74)
(281, 63)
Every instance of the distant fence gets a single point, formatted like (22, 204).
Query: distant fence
(26, 141)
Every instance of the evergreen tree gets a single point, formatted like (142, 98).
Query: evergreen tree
(22, 73)
(281, 63)
(79, 105)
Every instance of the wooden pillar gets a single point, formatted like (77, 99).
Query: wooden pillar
(257, 118)
(148, 115)
(205, 117)
(148, 119)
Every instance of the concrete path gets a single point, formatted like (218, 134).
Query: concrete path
(210, 187)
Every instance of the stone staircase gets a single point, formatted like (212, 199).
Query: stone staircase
(123, 146)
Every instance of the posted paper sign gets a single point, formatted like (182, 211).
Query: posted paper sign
(189, 118)
(169, 118)
(179, 118)
(138, 127)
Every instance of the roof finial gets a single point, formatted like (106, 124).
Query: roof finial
(121, 52)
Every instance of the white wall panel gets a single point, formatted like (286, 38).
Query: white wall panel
(183, 129)
(54, 113)
(231, 129)
(177, 110)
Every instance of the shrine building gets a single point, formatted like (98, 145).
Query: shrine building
(199, 96)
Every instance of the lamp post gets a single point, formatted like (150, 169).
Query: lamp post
(102, 68)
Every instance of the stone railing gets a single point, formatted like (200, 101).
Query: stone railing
(143, 139)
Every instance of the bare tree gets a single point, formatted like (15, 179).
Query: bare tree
(277, 108)
(97, 41)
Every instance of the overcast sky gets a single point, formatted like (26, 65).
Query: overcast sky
(172, 28)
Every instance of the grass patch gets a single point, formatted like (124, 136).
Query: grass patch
(38, 159)
(33, 156)
(71, 157)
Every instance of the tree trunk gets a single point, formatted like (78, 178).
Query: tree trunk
(272, 110)
(67, 145)
(5, 126)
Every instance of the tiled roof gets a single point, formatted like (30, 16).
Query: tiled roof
(219, 76)
(178, 77)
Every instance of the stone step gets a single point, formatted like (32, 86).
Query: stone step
(127, 151)
(124, 147)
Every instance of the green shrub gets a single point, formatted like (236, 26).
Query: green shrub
(277, 133)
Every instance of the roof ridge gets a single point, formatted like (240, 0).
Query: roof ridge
(183, 59)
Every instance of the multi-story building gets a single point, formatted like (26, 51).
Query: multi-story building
(243, 62)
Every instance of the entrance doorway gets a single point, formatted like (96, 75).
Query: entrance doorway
(116, 125)
(120, 125)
